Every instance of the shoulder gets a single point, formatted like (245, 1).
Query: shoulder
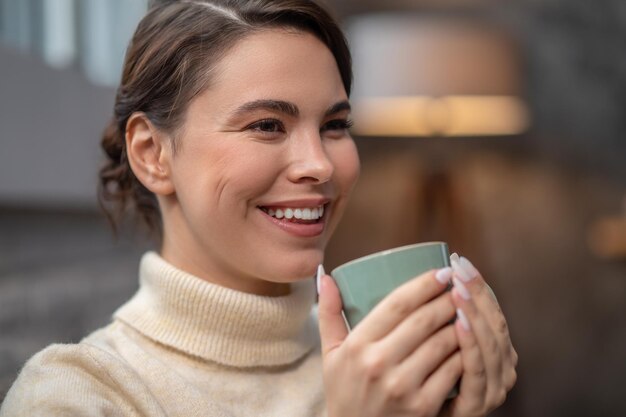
(79, 379)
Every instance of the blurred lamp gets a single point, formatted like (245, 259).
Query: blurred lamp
(606, 237)
(434, 77)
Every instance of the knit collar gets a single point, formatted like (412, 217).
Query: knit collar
(219, 324)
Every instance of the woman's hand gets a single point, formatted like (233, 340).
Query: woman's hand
(488, 356)
(401, 360)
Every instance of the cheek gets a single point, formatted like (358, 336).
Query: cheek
(250, 171)
(241, 172)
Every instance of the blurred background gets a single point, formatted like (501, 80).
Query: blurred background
(495, 126)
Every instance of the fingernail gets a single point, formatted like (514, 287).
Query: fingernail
(454, 257)
(468, 267)
(318, 277)
(464, 270)
(463, 319)
(444, 275)
(455, 261)
(458, 270)
(463, 292)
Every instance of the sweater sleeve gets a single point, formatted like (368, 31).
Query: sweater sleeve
(78, 380)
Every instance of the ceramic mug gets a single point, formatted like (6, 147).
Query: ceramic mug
(365, 281)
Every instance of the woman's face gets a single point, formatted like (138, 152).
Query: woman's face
(267, 141)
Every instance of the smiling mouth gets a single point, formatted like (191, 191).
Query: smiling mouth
(302, 215)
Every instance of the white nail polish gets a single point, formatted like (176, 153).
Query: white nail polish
(463, 319)
(454, 257)
(320, 273)
(468, 267)
(462, 289)
(444, 275)
(345, 321)
(459, 271)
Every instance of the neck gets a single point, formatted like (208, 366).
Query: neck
(202, 266)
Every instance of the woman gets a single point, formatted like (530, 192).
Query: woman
(230, 136)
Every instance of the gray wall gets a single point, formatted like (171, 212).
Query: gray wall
(50, 125)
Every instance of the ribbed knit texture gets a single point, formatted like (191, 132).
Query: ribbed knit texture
(216, 323)
(183, 347)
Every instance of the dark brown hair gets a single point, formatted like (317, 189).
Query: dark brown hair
(169, 61)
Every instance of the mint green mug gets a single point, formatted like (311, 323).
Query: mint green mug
(365, 281)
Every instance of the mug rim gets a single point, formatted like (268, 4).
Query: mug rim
(387, 252)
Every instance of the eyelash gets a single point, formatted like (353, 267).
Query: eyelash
(336, 124)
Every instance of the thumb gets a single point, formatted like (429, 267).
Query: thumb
(333, 329)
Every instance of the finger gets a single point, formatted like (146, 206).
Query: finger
(333, 330)
(473, 387)
(417, 328)
(485, 339)
(436, 388)
(482, 294)
(401, 302)
(486, 302)
(409, 375)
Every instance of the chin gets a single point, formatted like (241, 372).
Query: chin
(298, 271)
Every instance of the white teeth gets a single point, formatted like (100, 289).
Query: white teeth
(306, 213)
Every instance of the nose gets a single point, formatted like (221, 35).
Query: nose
(309, 161)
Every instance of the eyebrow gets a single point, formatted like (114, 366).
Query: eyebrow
(338, 107)
(286, 107)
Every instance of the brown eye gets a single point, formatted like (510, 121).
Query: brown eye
(267, 126)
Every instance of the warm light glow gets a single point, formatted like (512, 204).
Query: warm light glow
(607, 237)
(399, 116)
(441, 116)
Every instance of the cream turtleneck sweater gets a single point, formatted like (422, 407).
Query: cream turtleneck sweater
(183, 347)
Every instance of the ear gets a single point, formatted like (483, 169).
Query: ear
(149, 154)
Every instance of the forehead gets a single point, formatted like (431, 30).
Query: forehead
(278, 64)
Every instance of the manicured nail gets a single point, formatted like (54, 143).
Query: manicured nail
(454, 257)
(345, 321)
(318, 277)
(464, 270)
(444, 275)
(463, 292)
(455, 261)
(463, 319)
(468, 267)
(459, 271)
